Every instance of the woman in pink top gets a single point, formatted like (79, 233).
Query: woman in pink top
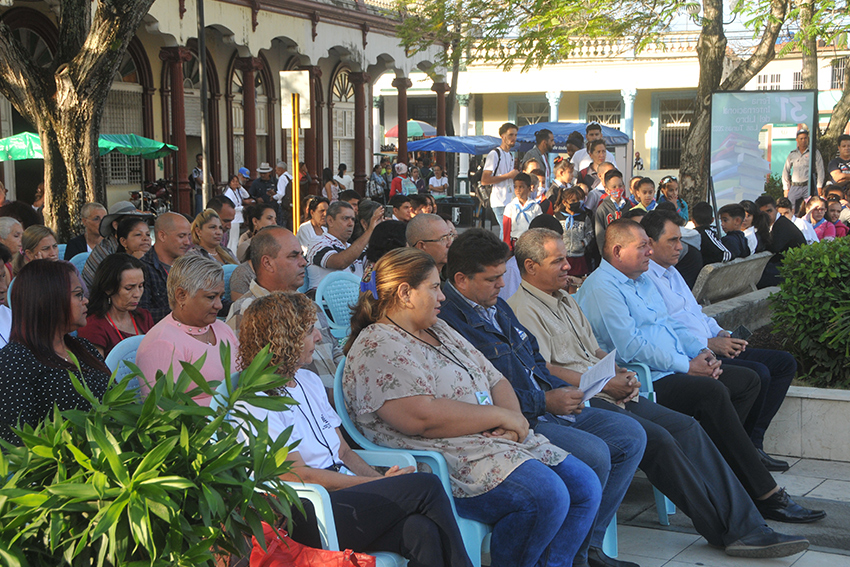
(191, 330)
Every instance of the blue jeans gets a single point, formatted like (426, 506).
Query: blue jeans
(610, 444)
(499, 212)
(540, 514)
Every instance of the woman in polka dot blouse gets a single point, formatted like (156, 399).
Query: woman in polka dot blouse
(47, 304)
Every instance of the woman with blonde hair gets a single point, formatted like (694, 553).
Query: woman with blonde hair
(206, 236)
(195, 288)
(37, 243)
(400, 511)
(412, 382)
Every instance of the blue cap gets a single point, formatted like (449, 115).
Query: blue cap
(244, 171)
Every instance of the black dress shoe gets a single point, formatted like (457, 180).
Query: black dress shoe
(595, 558)
(781, 508)
(766, 543)
(772, 464)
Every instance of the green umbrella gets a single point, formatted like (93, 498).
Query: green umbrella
(27, 145)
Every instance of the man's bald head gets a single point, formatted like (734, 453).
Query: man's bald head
(621, 232)
(173, 237)
(167, 221)
(423, 227)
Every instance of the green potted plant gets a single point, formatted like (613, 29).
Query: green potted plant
(163, 482)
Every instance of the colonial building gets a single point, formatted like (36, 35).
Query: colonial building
(346, 45)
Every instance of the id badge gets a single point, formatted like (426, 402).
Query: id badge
(483, 398)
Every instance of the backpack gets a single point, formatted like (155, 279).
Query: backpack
(484, 191)
(282, 551)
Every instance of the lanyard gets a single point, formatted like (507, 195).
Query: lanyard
(569, 320)
(120, 333)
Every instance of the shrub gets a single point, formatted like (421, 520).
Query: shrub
(773, 186)
(164, 482)
(817, 281)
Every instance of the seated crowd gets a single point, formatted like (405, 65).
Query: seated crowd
(473, 346)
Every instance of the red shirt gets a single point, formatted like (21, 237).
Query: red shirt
(101, 333)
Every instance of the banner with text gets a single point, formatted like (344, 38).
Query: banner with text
(740, 152)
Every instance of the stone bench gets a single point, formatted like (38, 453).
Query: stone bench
(725, 280)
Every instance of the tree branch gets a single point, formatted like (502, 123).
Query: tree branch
(21, 82)
(764, 52)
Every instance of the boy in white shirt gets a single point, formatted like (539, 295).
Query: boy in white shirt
(520, 211)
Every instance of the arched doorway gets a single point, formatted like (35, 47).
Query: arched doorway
(264, 105)
(342, 120)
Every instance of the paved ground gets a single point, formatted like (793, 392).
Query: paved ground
(816, 484)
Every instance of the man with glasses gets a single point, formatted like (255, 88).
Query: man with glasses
(430, 234)
(92, 214)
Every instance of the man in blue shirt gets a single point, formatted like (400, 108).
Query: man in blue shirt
(611, 444)
(628, 313)
(775, 368)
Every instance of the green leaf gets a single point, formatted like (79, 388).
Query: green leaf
(110, 448)
(156, 457)
(74, 490)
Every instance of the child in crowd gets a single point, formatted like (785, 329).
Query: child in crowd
(645, 194)
(711, 247)
(668, 191)
(563, 178)
(786, 209)
(816, 214)
(632, 196)
(834, 193)
(731, 218)
(755, 227)
(833, 215)
(611, 207)
(578, 229)
(520, 211)
(419, 204)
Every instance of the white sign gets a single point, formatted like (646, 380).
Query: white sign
(295, 82)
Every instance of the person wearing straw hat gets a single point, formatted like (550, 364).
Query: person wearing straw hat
(263, 188)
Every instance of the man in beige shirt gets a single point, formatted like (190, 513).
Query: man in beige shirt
(680, 459)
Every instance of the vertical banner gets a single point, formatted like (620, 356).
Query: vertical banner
(295, 82)
(740, 163)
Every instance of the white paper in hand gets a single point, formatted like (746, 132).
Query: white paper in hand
(598, 376)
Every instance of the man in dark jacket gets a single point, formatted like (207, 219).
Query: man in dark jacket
(784, 235)
(611, 444)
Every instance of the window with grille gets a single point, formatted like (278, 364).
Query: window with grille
(838, 66)
(343, 120)
(605, 112)
(675, 117)
(769, 82)
(531, 112)
(122, 115)
(798, 81)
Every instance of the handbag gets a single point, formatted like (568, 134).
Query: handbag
(283, 551)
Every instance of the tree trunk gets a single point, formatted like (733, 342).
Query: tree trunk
(65, 102)
(828, 142)
(711, 52)
(810, 46)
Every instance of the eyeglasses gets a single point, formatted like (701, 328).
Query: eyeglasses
(445, 239)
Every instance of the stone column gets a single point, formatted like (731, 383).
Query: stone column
(377, 134)
(402, 84)
(629, 112)
(175, 57)
(441, 89)
(554, 98)
(248, 66)
(463, 107)
(359, 81)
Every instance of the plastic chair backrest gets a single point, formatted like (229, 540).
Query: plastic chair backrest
(220, 397)
(305, 287)
(228, 271)
(475, 534)
(79, 260)
(61, 248)
(9, 294)
(125, 350)
(339, 291)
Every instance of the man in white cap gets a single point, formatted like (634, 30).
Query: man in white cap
(109, 244)
(263, 188)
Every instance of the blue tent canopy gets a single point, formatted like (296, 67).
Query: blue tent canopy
(476, 145)
(562, 130)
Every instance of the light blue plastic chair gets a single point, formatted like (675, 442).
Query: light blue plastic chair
(318, 495)
(9, 293)
(124, 351)
(663, 505)
(305, 287)
(61, 248)
(228, 271)
(79, 260)
(336, 294)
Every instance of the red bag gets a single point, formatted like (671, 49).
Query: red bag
(283, 551)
